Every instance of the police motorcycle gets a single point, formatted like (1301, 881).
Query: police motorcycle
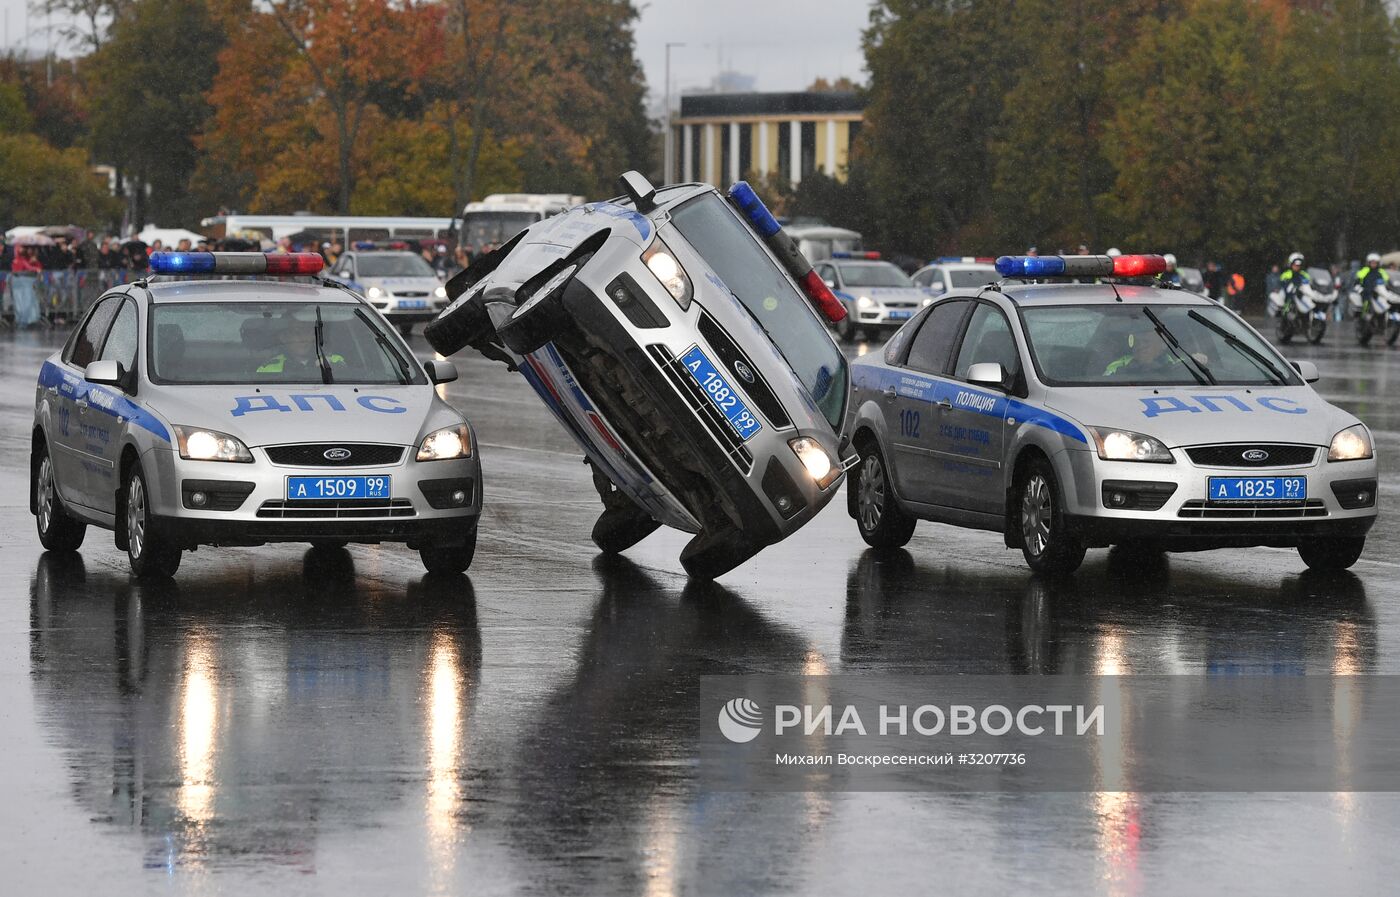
(1298, 308)
(1380, 313)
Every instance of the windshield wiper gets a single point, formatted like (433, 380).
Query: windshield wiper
(326, 376)
(1197, 369)
(1242, 347)
(386, 347)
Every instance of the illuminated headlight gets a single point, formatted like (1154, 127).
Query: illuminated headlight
(928, 301)
(376, 293)
(815, 459)
(210, 445)
(864, 302)
(666, 269)
(446, 444)
(440, 292)
(1352, 444)
(1125, 445)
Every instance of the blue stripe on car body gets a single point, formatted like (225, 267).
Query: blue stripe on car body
(107, 401)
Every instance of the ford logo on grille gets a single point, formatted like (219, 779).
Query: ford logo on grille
(744, 371)
(336, 454)
(1255, 455)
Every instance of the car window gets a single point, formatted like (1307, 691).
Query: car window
(274, 342)
(84, 349)
(394, 265)
(971, 278)
(934, 342)
(927, 277)
(988, 339)
(878, 274)
(121, 339)
(827, 273)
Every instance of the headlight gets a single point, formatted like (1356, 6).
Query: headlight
(210, 445)
(815, 459)
(669, 271)
(440, 292)
(1352, 444)
(376, 293)
(446, 444)
(928, 301)
(1125, 445)
(864, 302)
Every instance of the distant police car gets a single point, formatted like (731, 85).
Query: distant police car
(1069, 416)
(955, 273)
(679, 336)
(877, 295)
(403, 287)
(222, 412)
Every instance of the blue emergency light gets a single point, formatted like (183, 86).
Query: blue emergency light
(743, 196)
(285, 263)
(1080, 265)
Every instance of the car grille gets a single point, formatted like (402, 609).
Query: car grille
(1244, 510)
(1233, 455)
(901, 305)
(336, 508)
(703, 408)
(362, 454)
(410, 294)
(759, 391)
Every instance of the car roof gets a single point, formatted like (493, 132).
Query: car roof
(1094, 294)
(860, 263)
(246, 291)
(959, 266)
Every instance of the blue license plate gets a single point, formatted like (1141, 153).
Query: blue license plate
(900, 315)
(1258, 488)
(413, 303)
(718, 390)
(311, 488)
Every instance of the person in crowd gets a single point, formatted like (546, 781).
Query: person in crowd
(334, 252)
(463, 256)
(1214, 280)
(1171, 275)
(108, 255)
(87, 251)
(1372, 278)
(183, 245)
(24, 276)
(1032, 252)
(1273, 281)
(157, 246)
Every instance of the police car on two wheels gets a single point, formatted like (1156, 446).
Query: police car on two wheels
(1070, 416)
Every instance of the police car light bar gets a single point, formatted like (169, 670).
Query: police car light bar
(1080, 265)
(277, 263)
(871, 255)
(964, 259)
(792, 259)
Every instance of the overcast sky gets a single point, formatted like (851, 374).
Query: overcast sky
(785, 44)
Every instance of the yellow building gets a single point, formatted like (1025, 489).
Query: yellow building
(721, 138)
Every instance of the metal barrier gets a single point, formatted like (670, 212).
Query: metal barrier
(64, 295)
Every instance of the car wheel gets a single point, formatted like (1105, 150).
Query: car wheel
(539, 315)
(847, 328)
(147, 549)
(618, 529)
(1047, 545)
(882, 522)
(1331, 552)
(1363, 329)
(1317, 329)
(463, 323)
(711, 555)
(450, 559)
(57, 531)
(1392, 332)
(405, 330)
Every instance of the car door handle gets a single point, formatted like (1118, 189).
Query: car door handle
(945, 404)
(82, 405)
(890, 392)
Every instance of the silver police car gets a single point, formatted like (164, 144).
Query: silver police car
(400, 285)
(188, 412)
(680, 337)
(1068, 416)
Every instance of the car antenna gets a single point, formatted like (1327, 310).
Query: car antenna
(1116, 295)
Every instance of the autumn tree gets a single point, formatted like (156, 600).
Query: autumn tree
(41, 184)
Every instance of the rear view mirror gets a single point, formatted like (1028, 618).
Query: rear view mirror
(1307, 370)
(441, 371)
(987, 373)
(106, 373)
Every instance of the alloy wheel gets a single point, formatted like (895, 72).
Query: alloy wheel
(136, 516)
(870, 498)
(45, 495)
(1036, 512)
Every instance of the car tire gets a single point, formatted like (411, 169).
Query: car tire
(450, 559)
(57, 531)
(539, 313)
(148, 551)
(847, 328)
(1364, 330)
(1317, 329)
(1046, 543)
(1392, 332)
(882, 522)
(405, 330)
(710, 555)
(1331, 553)
(463, 323)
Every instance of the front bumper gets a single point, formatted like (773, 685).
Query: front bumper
(246, 504)
(883, 316)
(1168, 503)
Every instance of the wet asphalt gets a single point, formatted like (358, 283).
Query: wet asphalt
(282, 720)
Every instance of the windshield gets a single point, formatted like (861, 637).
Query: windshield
(968, 277)
(274, 342)
(1157, 345)
(879, 274)
(770, 296)
(395, 265)
(480, 228)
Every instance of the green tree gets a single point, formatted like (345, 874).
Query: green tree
(147, 101)
(14, 111)
(40, 184)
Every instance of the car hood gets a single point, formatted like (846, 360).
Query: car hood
(1196, 415)
(890, 294)
(268, 415)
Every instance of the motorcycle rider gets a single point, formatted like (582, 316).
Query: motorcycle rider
(1171, 275)
(1372, 279)
(1295, 282)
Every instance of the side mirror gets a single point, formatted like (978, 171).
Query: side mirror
(989, 374)
(639, 190)
(1306, 369)
(105, 373)
(441, 371)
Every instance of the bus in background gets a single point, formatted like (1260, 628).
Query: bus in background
(348, 229)
(822, 241)
(501, 216)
